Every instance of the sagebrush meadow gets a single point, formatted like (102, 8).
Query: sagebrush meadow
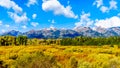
(60, 56)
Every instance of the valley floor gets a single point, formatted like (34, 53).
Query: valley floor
(59, 56)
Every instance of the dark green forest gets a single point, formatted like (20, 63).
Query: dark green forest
(77, 41)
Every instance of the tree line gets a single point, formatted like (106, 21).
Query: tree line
(98, 41)
(23, 40)
(11, 40)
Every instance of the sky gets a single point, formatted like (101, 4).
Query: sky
(25, 15)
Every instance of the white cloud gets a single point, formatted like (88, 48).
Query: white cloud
(104, 9)
(31, 2)
(0, 22)
(108, 22)
(52, 27)
(24, 27)
(17, 15)
(34, 24)
(98, 3)
(2, 30)
(7, 25)
(57, 8)
(34, 16)
(84, 20)
(9, 4)
(18, 18)
(113, 4)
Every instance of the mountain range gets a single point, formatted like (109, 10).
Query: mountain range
(64, 33)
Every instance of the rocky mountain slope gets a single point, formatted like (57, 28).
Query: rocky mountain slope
(64, 33)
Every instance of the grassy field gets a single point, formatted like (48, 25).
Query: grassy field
(59, 56)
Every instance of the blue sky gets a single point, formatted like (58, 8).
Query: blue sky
(25, 15)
